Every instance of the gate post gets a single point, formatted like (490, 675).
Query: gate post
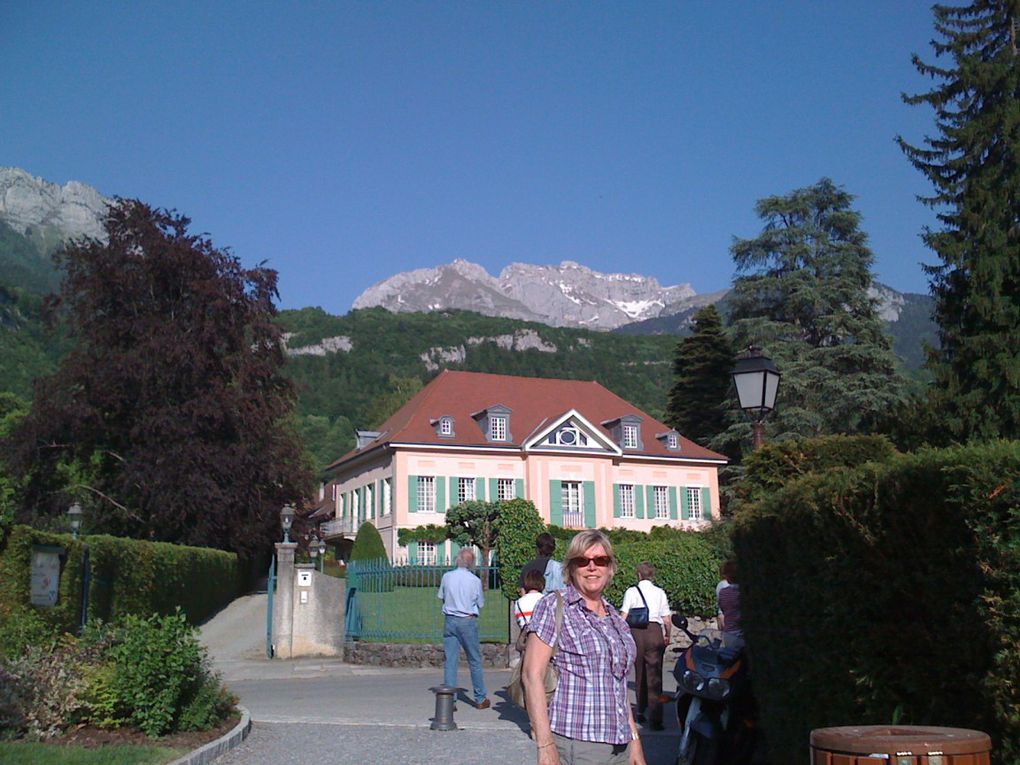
(283, 605)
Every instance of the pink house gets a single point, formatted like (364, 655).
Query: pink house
(586, 457)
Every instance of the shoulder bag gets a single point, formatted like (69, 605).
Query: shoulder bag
(638, 617)
(515, 688)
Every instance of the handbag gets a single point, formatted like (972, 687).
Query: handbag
(515, 688)
(638, 617)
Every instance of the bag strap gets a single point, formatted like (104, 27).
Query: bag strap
(642, 595)
(559, 621)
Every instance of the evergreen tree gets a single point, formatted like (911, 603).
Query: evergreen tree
(702, 364)
(974, 164)
(803, 297)
(169, 418)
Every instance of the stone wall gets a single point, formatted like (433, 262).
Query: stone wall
(494, 656)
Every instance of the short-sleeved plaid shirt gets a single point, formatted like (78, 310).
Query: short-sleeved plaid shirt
(595, 656)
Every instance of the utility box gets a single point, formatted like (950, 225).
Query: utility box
(899, 745)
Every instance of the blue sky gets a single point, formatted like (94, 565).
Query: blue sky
(345, 142)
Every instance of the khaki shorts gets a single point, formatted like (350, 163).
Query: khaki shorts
(575, 752)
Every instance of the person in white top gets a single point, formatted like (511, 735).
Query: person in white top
(531, 593)
(651, 642)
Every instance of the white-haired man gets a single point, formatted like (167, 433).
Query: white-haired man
(461, 593)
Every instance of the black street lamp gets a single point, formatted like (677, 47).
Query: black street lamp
(286, 521)
(757, 381)
(74, 514)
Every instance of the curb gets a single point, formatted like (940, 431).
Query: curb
(209, 752)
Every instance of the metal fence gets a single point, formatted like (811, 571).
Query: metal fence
(399, 604)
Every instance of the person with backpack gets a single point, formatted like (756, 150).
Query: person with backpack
(646, 610)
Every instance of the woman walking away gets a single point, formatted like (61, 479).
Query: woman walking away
(651, 640)
(524, 607)
(588, 718)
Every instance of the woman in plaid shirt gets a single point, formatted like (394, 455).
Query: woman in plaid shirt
(588, 718)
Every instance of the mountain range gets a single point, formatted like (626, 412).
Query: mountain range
(565, 295)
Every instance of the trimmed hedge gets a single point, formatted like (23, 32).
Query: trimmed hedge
(129, 576)
(888, 593)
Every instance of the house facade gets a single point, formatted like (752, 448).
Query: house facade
(584, 456)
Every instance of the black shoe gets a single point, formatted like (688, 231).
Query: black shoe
(656, 726)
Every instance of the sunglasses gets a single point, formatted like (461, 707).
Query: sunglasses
(602, 561)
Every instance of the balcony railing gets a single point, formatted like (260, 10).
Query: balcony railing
(337, 527)
(573, 520)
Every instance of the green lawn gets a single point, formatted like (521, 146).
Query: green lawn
(26, 753)
(414, 615)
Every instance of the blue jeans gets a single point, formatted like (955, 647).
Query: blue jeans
(462, 632)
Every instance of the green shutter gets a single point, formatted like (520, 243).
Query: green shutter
(650, 509)
(493, 489)
(440, 494)
(454, 550)
(440, 553)
(480, 490)
(672, 503)
(412, 494)
(616, 500)
(706, 503)
(519, 494)
(412, 552)
(589, 504)
(639, 501)
(453, 490)
(556, 503)
(685, 504)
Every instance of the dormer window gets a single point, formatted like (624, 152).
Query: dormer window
(495, 423)
(626, 431)
(497, 428)
(673, 441)
(446, 426)
(630, 436)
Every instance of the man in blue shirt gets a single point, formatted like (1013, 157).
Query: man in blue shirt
(461, 593)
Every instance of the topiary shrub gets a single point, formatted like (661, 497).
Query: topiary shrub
(368, 544)
(519, 524)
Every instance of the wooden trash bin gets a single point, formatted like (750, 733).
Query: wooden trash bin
(899, 745)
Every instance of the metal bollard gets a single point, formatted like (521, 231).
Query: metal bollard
(445, 698)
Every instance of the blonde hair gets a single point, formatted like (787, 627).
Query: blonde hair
(580, 544)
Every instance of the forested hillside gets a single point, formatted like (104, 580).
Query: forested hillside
(358, 388)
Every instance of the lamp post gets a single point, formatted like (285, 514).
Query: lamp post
(313, 550)
(286, 520)
(74, 514)
(757, 381)
(322, 554)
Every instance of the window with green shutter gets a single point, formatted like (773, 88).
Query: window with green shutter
(412, 494)
(706, 503)
(556, 503)
(589, 504)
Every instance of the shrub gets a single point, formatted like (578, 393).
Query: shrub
(519, 525)
(686, 567)
(368, 544)
(210, 704)
(901, 583)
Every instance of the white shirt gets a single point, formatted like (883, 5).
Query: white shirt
(658, 603)
(524, 607)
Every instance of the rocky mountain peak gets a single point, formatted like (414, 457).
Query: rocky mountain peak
(47, 211)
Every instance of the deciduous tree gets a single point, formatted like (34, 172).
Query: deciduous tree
(169, 418)
(973, 161)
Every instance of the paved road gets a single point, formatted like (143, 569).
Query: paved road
(326, 711)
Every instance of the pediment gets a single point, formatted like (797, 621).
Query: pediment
(570, 432)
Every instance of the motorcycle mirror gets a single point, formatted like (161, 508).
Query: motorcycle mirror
(679, 621)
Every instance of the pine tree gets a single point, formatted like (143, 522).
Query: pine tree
(974, 164)
(702, 364)
(803, 296)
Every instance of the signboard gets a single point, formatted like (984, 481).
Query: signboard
(45, 574)
(304, 578)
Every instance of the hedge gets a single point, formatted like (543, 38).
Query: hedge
(888, 593)
(128, 576)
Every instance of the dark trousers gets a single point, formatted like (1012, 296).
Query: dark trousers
(651, 645)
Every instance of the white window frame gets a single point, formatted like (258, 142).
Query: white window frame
(630, 436)
(572, 502)
(506, 488)
(387, 496)
(627, 500)
(498, 427)
(445, 426)
(661, 499)
(694, 509)
(426, 494)
(426, 553)
(467, 490)
(369, 501)
(672, 441)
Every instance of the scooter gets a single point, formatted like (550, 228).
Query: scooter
(714, 707)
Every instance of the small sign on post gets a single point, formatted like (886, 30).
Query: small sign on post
(45, 582)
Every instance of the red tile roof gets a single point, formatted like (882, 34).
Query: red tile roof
(534, 402)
